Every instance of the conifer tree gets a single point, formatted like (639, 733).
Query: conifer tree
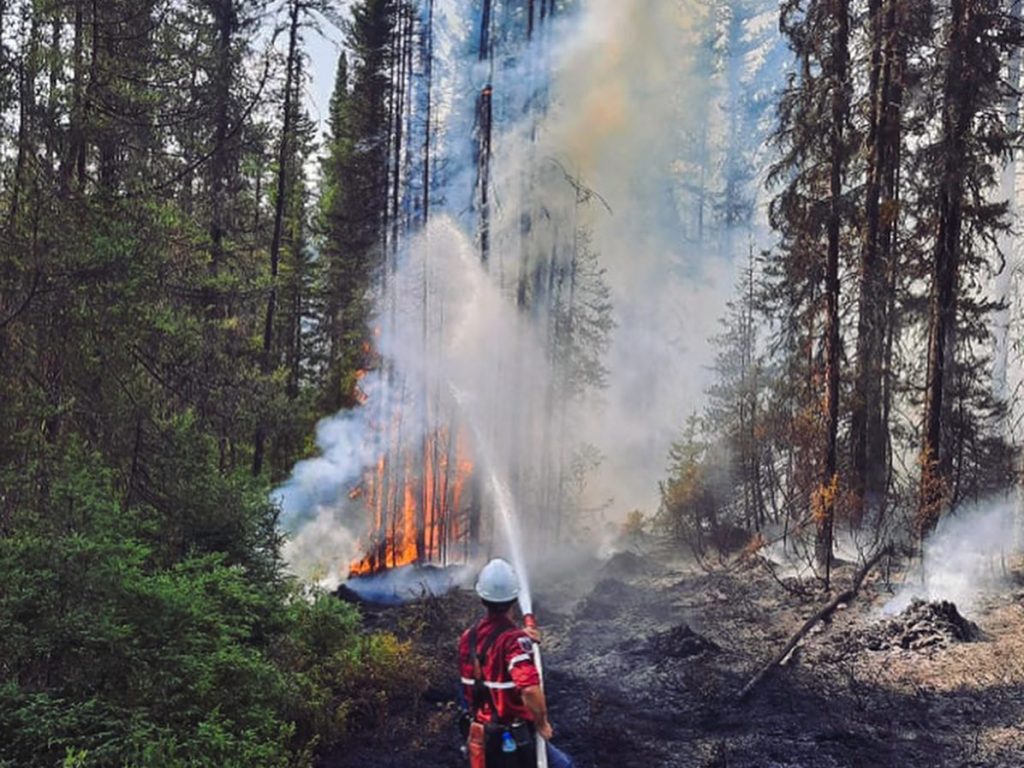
(962, 222)
(355, 193)
(734, 411)
(895, 28)
(810, 214)
(145, 615)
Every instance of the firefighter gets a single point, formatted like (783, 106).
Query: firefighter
(500, 681)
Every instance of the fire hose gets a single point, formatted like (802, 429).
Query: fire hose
(476, 750)
(542, 749)
(505, 508)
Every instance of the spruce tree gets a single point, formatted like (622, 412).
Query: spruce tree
(811, 216)
(354, 201)
(963, 222)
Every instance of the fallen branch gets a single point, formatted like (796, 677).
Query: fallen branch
(821, 615)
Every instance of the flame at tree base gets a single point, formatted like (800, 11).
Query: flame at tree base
(416, 496)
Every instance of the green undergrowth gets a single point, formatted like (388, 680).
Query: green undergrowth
(127, 640)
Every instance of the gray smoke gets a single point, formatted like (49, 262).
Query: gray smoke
(410, 582)
(324, 525)
(620, 80)
(966, 557)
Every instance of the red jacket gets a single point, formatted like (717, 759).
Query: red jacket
(508, 669)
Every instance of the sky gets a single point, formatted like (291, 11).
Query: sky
(323, 48)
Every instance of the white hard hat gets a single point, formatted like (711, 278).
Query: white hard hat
(498, 582)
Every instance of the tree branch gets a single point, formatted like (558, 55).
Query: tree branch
(821, 615)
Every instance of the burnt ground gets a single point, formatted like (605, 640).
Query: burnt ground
(643, 662)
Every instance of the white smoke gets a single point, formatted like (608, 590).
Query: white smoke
(623, 99)
(478, 361)
(453, 327)
(320, 548)
(322, 523)
(400, 585)
(632, 100)
(457, 354)
(625, 102)
(966, 557)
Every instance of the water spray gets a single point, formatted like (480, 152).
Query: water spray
(506, 514)
(531, 623)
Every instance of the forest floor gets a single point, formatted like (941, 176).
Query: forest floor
(644, 658)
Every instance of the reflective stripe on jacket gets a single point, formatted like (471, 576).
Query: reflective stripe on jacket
(508, 669)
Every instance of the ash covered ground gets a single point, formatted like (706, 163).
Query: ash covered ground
(644, 657)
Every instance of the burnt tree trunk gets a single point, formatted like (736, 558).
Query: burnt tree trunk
(839, 50)
(483, 112)
(428, 84)
(483, 129)
(868, 418)
(429, 465)
(957, 111)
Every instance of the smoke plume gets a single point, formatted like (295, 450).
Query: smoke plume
(966, 557)
(456, 351)
(632, 103)
(323, 524)
(596, 120)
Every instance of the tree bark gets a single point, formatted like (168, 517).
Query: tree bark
(224, 19)
(839, 50)
(283, 166)
(428, 77)
(27, 73)
(77, 160)
(957, 110)
(484, 170)
(483, 126)
(869, 424)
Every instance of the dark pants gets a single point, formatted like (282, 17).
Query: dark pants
(525, 755)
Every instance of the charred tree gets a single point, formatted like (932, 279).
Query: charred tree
(483, 163)
(484, 48)
(839, 97)
(869, 427)
(432, 513)
(428, 85)
(810, 214)
(973, 139)
(484, 117)
(400, 86)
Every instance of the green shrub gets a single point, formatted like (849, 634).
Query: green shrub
(121, 648)
(343, 679)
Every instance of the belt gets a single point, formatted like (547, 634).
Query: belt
(502, 727)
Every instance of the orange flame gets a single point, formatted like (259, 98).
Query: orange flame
(417, 500)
